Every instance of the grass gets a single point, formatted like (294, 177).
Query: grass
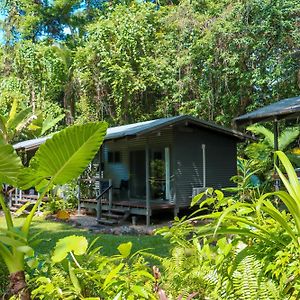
(51, 232)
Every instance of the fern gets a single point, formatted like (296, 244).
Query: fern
(249, 282)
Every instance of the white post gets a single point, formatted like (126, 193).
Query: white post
(204, 165)
(167, 172)
(10, 199)
(16, 195)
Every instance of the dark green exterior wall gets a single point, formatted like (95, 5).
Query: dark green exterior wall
(185, 144)
(220, 153)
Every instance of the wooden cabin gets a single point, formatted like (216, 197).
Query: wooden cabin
(159, 165)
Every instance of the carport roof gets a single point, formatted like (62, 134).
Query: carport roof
(284, 109)
(141, 128)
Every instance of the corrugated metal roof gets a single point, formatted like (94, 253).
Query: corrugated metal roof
(137, 128)
(143, 128)
(31, 144)
(283, 109)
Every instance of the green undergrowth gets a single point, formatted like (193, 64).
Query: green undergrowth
(52, 231)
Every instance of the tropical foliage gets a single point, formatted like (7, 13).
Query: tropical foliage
(261, 153)
(74, 148)
(64, 62)
(212, 59)
(249, 250)
(77, 270)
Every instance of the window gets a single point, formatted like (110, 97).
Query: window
(114, 157)
(110, 157)
(117, 157)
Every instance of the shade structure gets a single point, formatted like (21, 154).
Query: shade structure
(284, 109)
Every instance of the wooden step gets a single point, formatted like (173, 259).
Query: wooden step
(107, 222)
(14, 209)
(112, 216)
(23, 201)
(120, 210)
(88, 201)
(33, 197)
(18, 205)
(29, 196)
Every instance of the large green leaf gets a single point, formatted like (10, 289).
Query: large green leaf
(10, 165)
(288, 136)
(125, 249)
(13, 111)
(3, 130)
(259, 129)
(20, 120)
(40, 126)
(64, 156)
(76, 244)
(292, 184)
(50, 122)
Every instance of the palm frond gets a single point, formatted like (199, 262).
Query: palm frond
(288, 136)
(261, 130)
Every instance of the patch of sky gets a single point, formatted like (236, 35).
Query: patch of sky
(2, 17)
(78, 8)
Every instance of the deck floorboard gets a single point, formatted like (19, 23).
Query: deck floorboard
(154, 204)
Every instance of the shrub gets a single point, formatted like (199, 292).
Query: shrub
(76, 271)
(244, 249)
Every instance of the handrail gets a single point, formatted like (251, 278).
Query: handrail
(99, 206)
(105, 191)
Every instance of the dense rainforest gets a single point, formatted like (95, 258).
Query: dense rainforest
(127, 61)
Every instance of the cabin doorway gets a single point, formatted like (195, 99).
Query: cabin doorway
(137, 182)
(159, 174)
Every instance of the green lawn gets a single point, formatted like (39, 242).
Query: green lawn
(53, 231)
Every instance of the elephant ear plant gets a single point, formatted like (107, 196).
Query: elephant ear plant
(58, 161)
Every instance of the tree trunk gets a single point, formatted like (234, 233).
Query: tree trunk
(33, 100)
(18, 286)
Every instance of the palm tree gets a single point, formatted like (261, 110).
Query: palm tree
(13, 124)
(24, 121)
(287, 136)
(262, 152)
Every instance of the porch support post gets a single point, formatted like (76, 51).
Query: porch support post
(109, 195)
(99, 210)
(276, 130)
(167, 172)
(10, 199)
(17, 196)
(99, 203)
(276, 135)
(203, 165)
(148, 209)
(78, 196)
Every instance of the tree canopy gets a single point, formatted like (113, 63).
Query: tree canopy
(127, 61)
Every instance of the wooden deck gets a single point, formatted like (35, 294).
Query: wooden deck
(154, 204)
(131, 207)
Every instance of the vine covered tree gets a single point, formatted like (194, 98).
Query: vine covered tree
(128, 61)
